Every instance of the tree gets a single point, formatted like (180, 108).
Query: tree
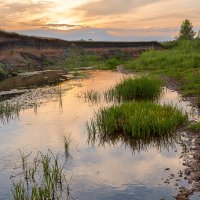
(186, 31)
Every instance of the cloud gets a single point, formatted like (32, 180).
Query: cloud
(62, 26)
(24, 12)
(26, 6)
(99, 19)
(112, 7)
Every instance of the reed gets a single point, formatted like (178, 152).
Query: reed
(44, 178)
(19, 191)
(135, 89)
(92, 96)
(136, 119)
(67, 141)
(8, 111)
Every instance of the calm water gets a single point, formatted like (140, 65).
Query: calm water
(98, 172)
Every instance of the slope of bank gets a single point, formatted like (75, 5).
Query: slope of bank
(179, 65)
(27, 53)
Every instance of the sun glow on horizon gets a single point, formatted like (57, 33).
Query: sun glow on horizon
(111, 19)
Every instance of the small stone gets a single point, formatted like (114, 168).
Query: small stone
(166, 181)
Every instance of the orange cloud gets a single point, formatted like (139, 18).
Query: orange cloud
(116, 18)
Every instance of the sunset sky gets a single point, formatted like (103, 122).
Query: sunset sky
(99, 19)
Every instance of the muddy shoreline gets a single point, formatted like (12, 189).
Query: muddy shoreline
(192, 152)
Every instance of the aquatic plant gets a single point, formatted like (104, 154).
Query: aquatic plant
(67, 141)
(44, 178)
(136, 119)
(135, 88)
(8, 110)
(92, 96)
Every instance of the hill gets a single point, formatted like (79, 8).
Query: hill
(25, 53)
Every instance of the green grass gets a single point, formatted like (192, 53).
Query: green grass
(44, 178)
(181, 62)
(79, 58)
(184, 55)
(143, 88)
(136, 119)
(112, 63)
(195, 127)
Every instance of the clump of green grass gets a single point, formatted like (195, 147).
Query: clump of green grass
(143, 88)
(195, 127)
(112, 63)
(136, 119)
(44, 178)
(181, 62)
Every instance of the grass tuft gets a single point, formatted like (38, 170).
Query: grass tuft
(143, 88)
(195, 127)
(42, 178)
(138, 120)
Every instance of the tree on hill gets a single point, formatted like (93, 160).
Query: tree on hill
(186, 31)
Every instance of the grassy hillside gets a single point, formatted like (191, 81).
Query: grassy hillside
(181, 62)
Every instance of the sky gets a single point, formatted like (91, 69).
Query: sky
(124, 20)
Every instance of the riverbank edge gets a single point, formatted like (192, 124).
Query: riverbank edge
(190, 172)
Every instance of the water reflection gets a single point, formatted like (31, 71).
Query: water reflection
(34, 98)
(105, 171)
(8, 111)
(36, 79)
(135, 144)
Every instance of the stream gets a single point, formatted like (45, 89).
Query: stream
(99, 171)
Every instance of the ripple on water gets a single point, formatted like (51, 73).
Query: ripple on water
(99, 171)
